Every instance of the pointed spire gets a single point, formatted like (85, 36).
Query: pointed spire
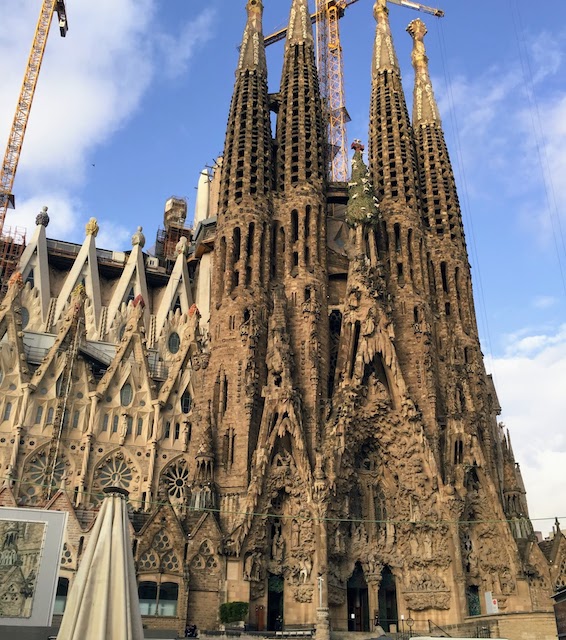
(252, 51)
(425, 109)
(384, 56)
(300, 25)
(301, 158)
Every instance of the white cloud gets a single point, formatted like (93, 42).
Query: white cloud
(91, 82)
(544, 302)
(178, 50)
(531, 383)
(509, 125)
(67, 220)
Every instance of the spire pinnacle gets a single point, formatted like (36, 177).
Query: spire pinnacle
(300, 26)
(425, 109)
(384, 57)
(252, 51)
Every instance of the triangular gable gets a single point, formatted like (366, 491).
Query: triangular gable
(132, 340)
(133, 277)
(7, 498)
(85, 267)
(64, 335)
(35, 258)
(155, 523)
(178, 287)
(206, 518)
(10, 324)
(188, 346)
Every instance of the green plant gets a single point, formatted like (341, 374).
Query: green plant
(233, 612)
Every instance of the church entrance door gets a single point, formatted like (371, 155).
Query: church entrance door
(275, 593)
(358, 605)
(387, 600)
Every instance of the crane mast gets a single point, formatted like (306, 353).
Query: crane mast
(23, 108)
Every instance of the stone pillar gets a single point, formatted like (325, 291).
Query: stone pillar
(322, 624)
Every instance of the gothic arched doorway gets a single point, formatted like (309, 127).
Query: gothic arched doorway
(358, 605)
(387, 600)
(275, 596)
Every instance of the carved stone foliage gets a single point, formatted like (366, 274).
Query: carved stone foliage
(283, 543)
(426, 591)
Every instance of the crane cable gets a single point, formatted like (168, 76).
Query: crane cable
(455, 128)
(534, 112)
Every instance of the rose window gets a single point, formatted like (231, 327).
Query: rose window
(176, 478)
(115, 473)
(161, 541)
(148, 561)
(67, 557)
(40, 475)
(170, 562)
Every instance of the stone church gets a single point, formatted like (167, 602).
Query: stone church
(292, 390)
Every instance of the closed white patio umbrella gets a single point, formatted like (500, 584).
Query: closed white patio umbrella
(103, 602)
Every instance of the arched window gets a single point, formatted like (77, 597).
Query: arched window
(158, 600)
(39, 414)
(126, 395)
(105, 422)
(174, 342)
(7, 411)
(61, 596)
(50, 414)
(186, 402)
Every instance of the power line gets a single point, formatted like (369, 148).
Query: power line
(304, 518)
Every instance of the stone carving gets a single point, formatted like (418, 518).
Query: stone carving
(303, 593)
(138, 238)
(92, 228)
(42, 218)
(427, 592)
(253, 570)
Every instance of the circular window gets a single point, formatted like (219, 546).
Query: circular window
(126, 395)
(174, 342)
(25, 317)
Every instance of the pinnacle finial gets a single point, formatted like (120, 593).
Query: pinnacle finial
(425, 109)
(252, 51)
(384, 57)
(92, 228)
(42, 218)
(300, 25)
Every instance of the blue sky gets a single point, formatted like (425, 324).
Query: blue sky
(133, 104)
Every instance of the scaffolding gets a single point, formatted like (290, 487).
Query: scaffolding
(12, 245)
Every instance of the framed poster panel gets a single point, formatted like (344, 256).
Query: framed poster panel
(31, 543)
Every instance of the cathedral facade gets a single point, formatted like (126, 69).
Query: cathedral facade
(293, 391)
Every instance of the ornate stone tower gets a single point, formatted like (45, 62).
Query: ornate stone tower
(326, 446)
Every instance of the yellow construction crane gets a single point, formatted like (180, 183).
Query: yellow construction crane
(330, 70)
(18, 130)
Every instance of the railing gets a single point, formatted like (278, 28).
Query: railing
(90, 350)
(434, 627)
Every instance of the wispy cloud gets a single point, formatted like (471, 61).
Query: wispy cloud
(177, 50)
(530, 380)
(544, 302)
(91, 84)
